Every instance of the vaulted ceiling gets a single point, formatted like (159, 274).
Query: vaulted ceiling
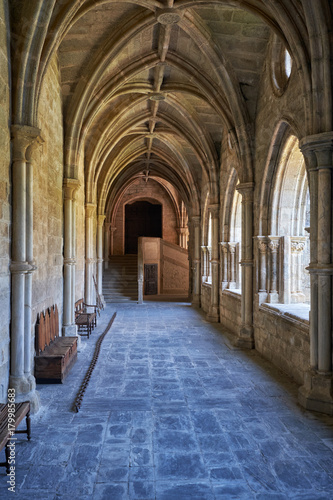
(151, 85)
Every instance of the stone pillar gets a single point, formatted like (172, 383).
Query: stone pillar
(196, 220)
(21, 265)
(204, 252)
(214, 312)
(100, 222)
(274, 243)
(317, 391)
(140, 271)
(90, 261)
(113, 229)
(107, 226)
(182, 233)
(69, 327)
(262, 268)
(224, 265)
(73, 265)
(297, 246)
(232, 265)
(246, 337)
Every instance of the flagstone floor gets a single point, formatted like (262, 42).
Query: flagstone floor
(173, 412)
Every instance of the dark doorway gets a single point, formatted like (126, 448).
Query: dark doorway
(141, 219)
(151, 277)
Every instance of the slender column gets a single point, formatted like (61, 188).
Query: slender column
(73, 265)
(107, 226)
(246, 338)
(274, 243)
(90, 212)
(317, 391)
(224, 264)
(196, 220)
(297, 247)
(69, 327)
(100, 222)
(113, 229)
(214, 313)
(262, 267)
(204, 262)
(20, 340)
(232, 265)
(28, 348)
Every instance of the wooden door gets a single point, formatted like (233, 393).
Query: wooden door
(151, 277)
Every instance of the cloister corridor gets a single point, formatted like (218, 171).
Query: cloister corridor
(173, 411)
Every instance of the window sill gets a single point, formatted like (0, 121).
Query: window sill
(297, 313)
(235, 292)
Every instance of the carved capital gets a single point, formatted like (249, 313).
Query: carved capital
(232, 247)
(246, 190)
(262, 244)
(22, 137)
(70, 187)
(298, 244)
(90, 209)
(100, 220)
(274, 242)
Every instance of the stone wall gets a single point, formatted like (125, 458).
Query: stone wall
(47, 287)
(230, 311)
(141, 190)
(5, 209)
(283, 338)
(205, 296)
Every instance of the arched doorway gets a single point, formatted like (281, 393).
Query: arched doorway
(141, 219)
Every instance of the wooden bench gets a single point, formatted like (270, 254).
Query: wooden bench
(55, 355)
(11, 415)
(86, 321)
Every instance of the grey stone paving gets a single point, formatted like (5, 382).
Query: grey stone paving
(173, 412)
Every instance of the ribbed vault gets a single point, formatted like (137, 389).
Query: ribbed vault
(153, 85)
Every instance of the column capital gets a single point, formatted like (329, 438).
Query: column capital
(112, 228)
(262, 243)
(196, 219)
(298, 243)
(317, 142)
(274, 242)
(246, 190)
(70, 187)
(90, 209)
(232, 246)
(22, 137)
(100, 220)
(214, 209)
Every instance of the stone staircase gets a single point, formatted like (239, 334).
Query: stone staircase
(120, 280)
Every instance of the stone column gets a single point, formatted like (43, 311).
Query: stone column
(90, 261)
(107, 226)
(246, 338)
(232, 265)
(297, 246)
(317, 391)
(113, 229)
(182, 233)
(73, 265)
(100, 222)
(214, 312)
(204, 252)
(274, 243)
(224, 265)
(28, 337)
(69, 327)
(262, 271)
(20, 377)
(196, 220)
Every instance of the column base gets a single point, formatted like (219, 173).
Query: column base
(273, 298)
(25, 391)
(245, 339)
(196, 301)
(213, 316)
(71, 331)
(317, 393)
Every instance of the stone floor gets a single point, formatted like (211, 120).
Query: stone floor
(173, 412)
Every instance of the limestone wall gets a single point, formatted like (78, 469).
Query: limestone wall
(205, 296)
(283, 338)
(5, 209)
(141, 190)
(230, 311)
(47, 287)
